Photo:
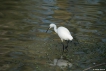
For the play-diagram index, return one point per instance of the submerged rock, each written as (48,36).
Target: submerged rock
(61,63)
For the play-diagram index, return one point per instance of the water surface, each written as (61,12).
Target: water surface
(24,45)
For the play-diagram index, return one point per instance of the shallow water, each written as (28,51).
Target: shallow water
(24,45)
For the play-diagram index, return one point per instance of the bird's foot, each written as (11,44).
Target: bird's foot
(66,47)
(66,50)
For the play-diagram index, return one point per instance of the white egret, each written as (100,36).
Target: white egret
(63,33)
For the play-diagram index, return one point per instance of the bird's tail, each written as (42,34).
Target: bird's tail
(71,38)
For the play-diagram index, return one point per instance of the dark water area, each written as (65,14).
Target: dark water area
(24,45)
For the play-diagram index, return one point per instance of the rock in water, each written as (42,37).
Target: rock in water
(61,63)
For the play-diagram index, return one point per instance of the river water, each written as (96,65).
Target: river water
(24,45)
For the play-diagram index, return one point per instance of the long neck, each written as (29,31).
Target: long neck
(55,28)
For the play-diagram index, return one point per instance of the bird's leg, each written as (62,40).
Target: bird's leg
(63,46)
(67,45)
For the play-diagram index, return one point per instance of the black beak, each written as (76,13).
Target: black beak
(47,30)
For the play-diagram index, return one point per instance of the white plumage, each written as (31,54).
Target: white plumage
(63,33)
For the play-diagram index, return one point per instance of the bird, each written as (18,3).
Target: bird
(63,33)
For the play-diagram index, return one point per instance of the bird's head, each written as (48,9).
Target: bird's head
(50,26)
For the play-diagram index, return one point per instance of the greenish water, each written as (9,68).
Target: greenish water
(24,45)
